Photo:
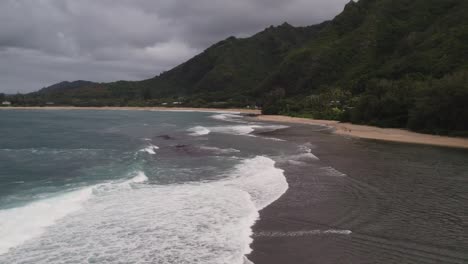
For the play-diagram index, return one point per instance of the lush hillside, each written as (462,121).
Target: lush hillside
(233,68)
(225,74)
(382,59)
(397,63)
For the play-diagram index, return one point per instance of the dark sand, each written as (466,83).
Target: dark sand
(402,203)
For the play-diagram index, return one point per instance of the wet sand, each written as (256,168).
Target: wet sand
(366,201)
(370,132)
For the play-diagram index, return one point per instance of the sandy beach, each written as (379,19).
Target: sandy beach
(370,132)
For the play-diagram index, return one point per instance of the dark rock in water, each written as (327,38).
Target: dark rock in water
(166,137)
(184,149)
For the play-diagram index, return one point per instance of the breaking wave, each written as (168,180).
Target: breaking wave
(234,130)
(199,131)
(18,225)
(126,221)
(235,118)
(151,149)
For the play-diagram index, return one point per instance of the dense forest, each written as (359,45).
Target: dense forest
(390,63)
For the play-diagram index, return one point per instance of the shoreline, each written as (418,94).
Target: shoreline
(127,108)
(343,129)
(374,133)
(350,205)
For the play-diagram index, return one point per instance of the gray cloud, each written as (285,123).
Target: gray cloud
(46,41)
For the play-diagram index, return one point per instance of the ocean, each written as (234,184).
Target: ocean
(97,186)
(92,186)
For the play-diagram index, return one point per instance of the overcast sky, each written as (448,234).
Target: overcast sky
(46,41)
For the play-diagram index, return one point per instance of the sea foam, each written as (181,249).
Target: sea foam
(240,130)
(220,150)
(151,149)
(207,222)
(18,225)
(199,131)
(306,153)
(304,233)
(261,179)
(235,118)
(139,178)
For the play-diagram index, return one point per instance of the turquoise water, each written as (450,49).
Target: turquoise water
(133,186)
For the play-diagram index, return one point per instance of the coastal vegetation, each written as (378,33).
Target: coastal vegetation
(388,63)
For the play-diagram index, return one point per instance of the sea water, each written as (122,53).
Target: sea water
(89,186)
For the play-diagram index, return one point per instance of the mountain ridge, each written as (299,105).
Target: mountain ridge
(378,62)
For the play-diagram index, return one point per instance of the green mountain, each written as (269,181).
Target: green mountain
(393,63)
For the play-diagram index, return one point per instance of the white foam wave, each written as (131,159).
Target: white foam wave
(236,118)
(220,150)
(140,177)
(299,159)
(263,182)
(151,149)
(307,153)
(338,232)
(199,131)
(246,261)
(233,130)
(207,223)
(296,162)
(274,139)
(261,179)
(304,156)
(302,233)
(18,225)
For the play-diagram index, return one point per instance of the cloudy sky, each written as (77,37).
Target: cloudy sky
(46,41)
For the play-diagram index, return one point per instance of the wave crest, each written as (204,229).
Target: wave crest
(234,130)
(20,224)
(209,222)
(151,149)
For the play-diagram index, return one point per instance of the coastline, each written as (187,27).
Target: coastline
(375,133)
(351,204)
(126,108)
(343,205)
(344,129)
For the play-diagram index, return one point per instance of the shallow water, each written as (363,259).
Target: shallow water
(380,203)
